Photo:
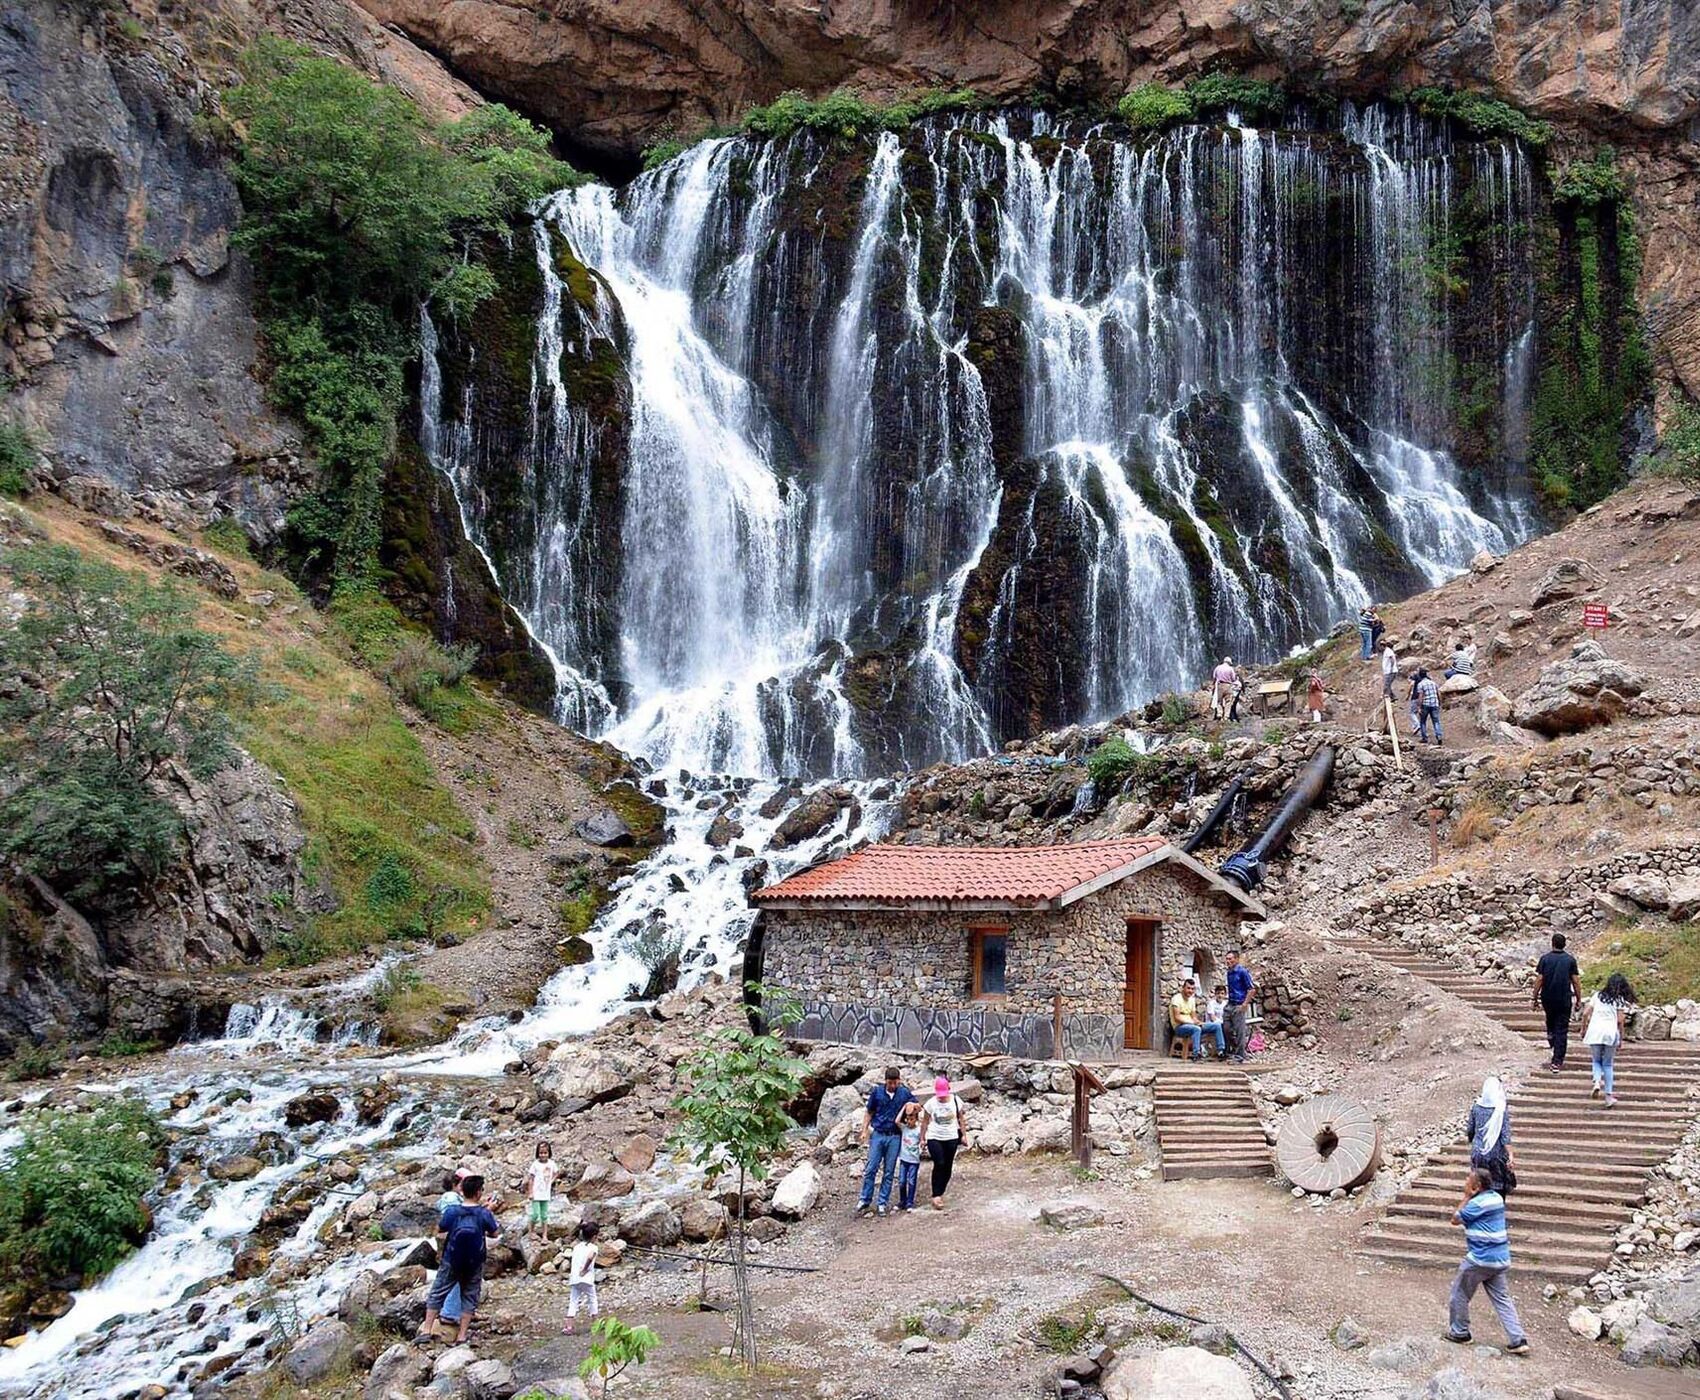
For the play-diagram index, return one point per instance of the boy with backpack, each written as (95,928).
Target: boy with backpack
(464,1227)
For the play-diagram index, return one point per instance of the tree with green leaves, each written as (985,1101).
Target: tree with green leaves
(358,208)
(734,1121)
(613,1347)
(112,682)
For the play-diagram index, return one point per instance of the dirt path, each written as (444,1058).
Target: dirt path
(1281,1273)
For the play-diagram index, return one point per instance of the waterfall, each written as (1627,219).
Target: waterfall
(1006,419)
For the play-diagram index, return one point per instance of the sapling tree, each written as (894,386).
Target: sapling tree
(613,1347)
(734,1120)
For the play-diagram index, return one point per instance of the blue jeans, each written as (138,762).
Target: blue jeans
(1215,1028)
(882,1159)
(908,1178)
(451,1305)
(1367,636)
(1427,715)
(1193,1035)
(1604,1056)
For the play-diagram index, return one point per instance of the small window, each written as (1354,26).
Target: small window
(986,950)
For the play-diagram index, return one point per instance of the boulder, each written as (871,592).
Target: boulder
(1457,687)
(1641,888)
(1179,1373)
(1585,689)
(1349,1334)
(236,1167)
(1568,578)
(702,1220)
(398,1366)
(1652,1343)
(364,1294)
(408,1219)
(453,1362)
(1071,1215)
(797,1192)
(1677,1304)
(654,1224)
(1586,1324)
(577,1071)
(603,827)
(637,1155)
(489,1379)
(311,1108)
(1483,562)
(1684,897)
(327,1346)
(602,1181)
(811,816)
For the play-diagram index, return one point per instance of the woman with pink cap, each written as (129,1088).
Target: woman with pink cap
(946,1123)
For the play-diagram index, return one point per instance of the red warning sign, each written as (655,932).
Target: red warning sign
(1596,615)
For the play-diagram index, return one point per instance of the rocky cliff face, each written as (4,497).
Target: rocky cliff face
(74,971)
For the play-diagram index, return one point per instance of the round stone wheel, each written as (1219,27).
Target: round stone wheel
(1329,1142)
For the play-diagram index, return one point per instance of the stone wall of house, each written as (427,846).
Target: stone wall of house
(902,979)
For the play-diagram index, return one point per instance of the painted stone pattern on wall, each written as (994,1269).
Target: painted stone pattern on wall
(902,978)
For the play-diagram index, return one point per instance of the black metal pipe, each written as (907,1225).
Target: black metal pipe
(1245,868)
(1224,805)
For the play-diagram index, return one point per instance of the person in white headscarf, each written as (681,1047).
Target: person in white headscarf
(1490,1134)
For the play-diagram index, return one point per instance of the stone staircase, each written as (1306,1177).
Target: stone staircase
(1581,1168)
(1207,1123)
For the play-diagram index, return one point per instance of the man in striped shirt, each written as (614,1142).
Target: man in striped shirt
(1487,1260)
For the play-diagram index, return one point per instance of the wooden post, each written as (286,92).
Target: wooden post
(1086,1083)
(1056,1027)
(1393,733)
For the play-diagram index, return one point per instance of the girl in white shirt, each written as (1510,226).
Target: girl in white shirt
(540,1182)
(946,1124)
(1608,1008)
(581,1277)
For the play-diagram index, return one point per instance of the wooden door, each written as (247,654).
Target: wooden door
(1137,993)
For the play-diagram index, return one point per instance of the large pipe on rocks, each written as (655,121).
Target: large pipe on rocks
(1224,805)
(1245,868)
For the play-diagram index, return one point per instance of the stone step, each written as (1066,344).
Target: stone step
(1531,1256)
(1585,1230)
(1526,1202)
(1198,1171)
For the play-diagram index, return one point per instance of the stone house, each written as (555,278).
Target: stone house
(1066,951)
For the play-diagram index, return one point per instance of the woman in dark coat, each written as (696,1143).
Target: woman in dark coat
(1490,1134)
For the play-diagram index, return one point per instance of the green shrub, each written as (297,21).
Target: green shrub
(658,153)
(1176,710)
(35,1061)
(1154,106)
(1679,450)
(18,457)
(390,883)
(1480,115)
(125,684)
(118,1046)
(228,537)
(420,667)
(1254,98)
(844,114)
(1590,182)
(357,207)
(71,1191)
(1110,764)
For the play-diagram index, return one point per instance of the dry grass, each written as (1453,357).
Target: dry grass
(1475,823)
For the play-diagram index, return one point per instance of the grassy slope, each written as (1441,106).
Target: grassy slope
(385,835)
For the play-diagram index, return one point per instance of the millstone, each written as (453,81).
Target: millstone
(1329,1142)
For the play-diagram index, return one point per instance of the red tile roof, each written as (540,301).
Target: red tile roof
(900,875)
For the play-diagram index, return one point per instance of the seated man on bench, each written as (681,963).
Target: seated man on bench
(1184,1023)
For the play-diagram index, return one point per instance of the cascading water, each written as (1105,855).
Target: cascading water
(1009,420)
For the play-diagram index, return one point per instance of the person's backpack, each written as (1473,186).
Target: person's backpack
(463,1247)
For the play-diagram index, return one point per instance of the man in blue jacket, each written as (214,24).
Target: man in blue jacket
(1239,1004)
(883,1136)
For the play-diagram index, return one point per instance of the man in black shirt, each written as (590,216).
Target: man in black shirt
(1558,992)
